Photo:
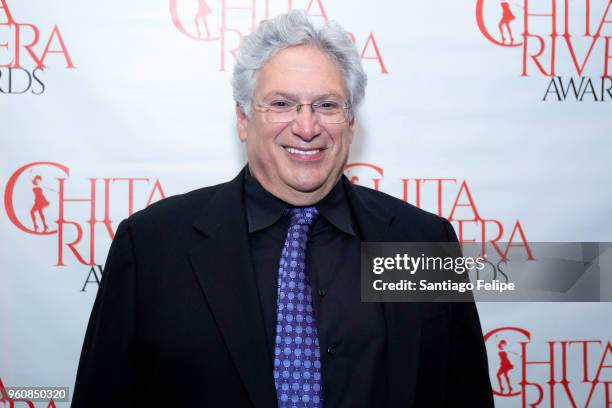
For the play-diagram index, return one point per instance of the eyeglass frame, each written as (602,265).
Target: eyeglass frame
(298,107)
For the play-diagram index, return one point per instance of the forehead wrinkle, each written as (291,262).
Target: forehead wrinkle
(274,78)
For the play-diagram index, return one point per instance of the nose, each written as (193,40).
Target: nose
(306,125)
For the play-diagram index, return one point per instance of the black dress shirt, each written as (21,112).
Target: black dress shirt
(351,333)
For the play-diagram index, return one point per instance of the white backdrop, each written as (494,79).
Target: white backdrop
(130,92)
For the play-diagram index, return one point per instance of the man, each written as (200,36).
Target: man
(247,294)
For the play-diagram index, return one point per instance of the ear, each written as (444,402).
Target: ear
(242,122)
(351,129)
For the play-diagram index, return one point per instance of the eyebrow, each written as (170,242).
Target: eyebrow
(295,97)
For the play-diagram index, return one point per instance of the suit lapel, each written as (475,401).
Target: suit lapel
(221,260)
(402,319)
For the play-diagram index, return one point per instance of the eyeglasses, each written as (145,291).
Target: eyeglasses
(329,111)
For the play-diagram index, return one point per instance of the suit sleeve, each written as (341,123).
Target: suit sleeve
(106,370)
(468,383)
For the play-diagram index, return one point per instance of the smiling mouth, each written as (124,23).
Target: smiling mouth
(308,152)
(304,154)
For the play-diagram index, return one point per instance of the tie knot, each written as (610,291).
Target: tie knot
(302,215)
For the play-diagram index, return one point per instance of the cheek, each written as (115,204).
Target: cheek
(341,134)
(263,141)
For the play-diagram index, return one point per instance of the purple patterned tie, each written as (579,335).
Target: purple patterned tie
(297,362)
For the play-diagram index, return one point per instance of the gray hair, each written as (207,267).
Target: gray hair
(291,29)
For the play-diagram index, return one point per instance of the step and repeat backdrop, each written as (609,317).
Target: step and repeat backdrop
(495,115)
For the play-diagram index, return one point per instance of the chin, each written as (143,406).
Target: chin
(306,183)
(307,186)
(311,180)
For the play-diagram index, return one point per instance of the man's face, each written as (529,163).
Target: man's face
(299,161)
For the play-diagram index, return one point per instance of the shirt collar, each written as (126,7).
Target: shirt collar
(335,208)
(264,209)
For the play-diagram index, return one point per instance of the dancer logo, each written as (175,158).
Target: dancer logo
(74,221)
(572,372)
(558,39)
(226,22)
(22,58)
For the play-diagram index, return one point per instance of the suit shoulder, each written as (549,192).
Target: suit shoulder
(407,217)
(177,208)
(394,205)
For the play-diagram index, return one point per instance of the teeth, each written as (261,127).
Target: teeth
(304,152)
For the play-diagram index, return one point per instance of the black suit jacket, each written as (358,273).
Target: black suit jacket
(177,321)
